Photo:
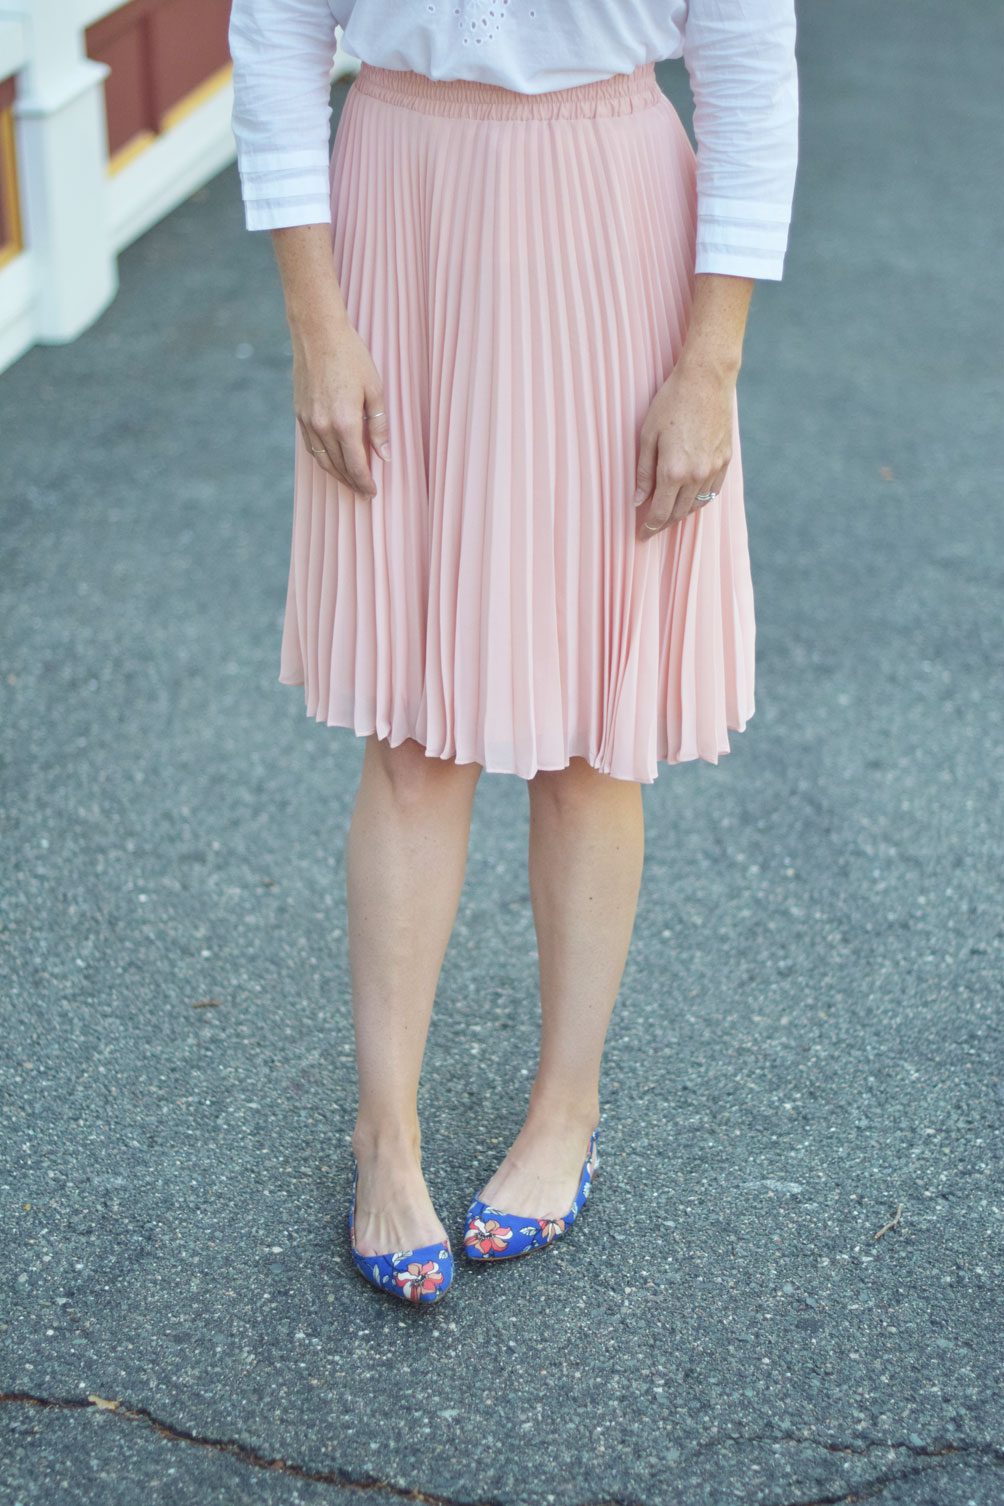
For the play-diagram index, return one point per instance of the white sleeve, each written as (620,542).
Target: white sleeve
(740,55)
(282,53)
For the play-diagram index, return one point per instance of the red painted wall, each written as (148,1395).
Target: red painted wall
(157,50)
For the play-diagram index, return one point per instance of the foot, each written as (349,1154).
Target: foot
(393,1208)
(540,1176)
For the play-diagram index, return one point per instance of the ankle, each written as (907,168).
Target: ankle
(387,1140)
(562,1114)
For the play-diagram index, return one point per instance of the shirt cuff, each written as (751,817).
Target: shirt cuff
(276,214)
(739,238)
(290,188)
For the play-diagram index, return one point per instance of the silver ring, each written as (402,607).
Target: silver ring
(317,452)
(705,496)
(653,526)
(381,414)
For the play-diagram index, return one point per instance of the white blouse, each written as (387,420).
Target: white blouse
(740,55)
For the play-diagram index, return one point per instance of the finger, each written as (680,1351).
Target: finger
(341,437)
(685,502)
(646,469)
(354,460)
(717,481)
(698,494)
(328,454)
(341,470)
(659,513)
(378,426)
(312,440)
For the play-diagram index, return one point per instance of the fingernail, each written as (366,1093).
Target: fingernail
(639,496)
(385,451)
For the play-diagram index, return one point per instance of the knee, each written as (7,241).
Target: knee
(568,791)
(415,780)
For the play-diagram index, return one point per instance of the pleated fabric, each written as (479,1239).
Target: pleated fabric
(520,268)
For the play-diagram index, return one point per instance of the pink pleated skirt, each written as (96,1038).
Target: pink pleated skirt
(520,268)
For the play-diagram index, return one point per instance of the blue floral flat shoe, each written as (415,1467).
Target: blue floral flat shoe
(494,1235)
(416,1276)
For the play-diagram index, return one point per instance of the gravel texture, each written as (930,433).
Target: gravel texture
(810,1034)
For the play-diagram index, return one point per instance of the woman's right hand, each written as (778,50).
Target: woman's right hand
(335,383)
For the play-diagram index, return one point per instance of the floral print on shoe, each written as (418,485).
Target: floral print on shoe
(487,1235)
(550,1228)
(416,1276)
(492,1234)
(419,1279)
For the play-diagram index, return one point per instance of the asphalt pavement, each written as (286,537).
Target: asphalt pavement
(787,1288)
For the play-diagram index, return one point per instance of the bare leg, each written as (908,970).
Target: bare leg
(586,850)
(405,859)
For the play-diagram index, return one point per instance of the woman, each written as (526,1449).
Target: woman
(517,306)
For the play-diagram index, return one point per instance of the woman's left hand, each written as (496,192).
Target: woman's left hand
(686,445)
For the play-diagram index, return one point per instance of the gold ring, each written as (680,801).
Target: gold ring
(653,526)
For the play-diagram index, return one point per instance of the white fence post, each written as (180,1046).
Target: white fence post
(62,150)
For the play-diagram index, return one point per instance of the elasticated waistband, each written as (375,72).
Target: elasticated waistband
(621,94)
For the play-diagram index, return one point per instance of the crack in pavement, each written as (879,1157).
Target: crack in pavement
(983,1452)
(240,1451)
(872,1488)
(987,1453)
